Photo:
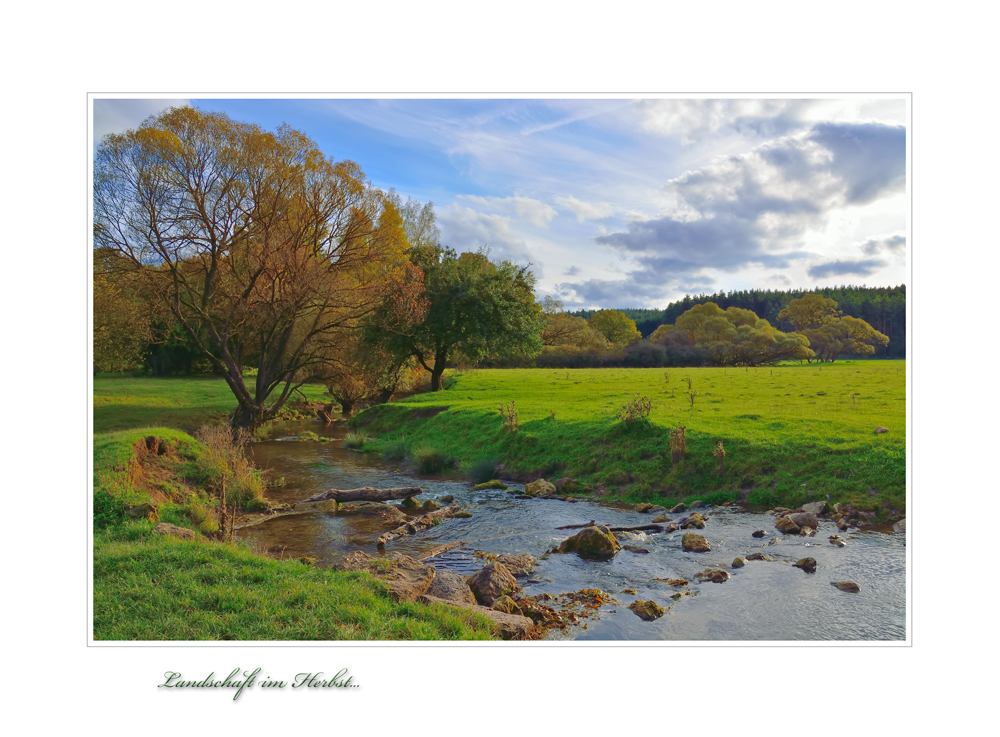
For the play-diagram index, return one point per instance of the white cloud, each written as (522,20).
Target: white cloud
(465,229)
(586,210)
(119,115)
(533,211)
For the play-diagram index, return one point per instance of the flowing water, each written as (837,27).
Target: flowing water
(763,601)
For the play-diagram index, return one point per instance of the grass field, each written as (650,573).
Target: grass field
(182,403)
(791,433)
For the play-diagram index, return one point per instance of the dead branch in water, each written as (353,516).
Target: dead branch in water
(418,524)
(367,494)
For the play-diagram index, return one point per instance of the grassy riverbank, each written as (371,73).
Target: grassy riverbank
(156,587)
(791,433)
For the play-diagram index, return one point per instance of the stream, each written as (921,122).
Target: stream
(763,601)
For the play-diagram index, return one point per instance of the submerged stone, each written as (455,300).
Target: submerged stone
(647,610)
(848,586)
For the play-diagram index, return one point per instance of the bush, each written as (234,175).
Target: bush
(637,408)
(483,470)
(429,460)
(224,458)
(355,440)
(394,451)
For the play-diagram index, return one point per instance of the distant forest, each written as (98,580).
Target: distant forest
(884,308)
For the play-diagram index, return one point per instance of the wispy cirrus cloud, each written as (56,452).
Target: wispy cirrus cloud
(531,210)
(586,210)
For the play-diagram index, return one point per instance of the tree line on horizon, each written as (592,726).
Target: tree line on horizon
(224,248)
(884,308)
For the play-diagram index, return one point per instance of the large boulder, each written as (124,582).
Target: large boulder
(759,533)
(165,528)
(518,565)
(695,520)
(539,488)
(739,562)
(509,626)
(507,605)
(785,524)
(815,507)
(900,526)
(647,610)
(451,586)
(491,582)
(407,578)
(679,508)
(804,519)
(715,575)
(806,564)
(591,542)
(643,508)
(695,543)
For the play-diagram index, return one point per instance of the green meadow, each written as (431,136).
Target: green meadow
(183,403)
(791,433)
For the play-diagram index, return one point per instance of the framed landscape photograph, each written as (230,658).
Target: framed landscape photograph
(502,370)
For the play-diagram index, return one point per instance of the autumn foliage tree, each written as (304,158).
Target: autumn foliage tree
(737,337)
(122,322)
(617,328)
(262,248)
(829,333)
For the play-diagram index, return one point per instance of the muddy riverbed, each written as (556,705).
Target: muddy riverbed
(763,601)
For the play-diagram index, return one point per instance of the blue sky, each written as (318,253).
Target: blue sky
(622,202)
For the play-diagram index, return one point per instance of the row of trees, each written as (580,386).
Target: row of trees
(253,253)
(707,334)
(884,308)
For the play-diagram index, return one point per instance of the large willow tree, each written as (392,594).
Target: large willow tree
(264,250)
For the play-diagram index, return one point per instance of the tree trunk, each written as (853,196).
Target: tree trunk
(436,376)
(247,417)
(346,407)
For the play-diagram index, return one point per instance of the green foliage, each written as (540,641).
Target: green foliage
(474,307)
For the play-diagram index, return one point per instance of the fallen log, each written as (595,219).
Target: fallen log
(640,528)
(577,527)
(637,528)
(434,552)
(367,494)
(418,524)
